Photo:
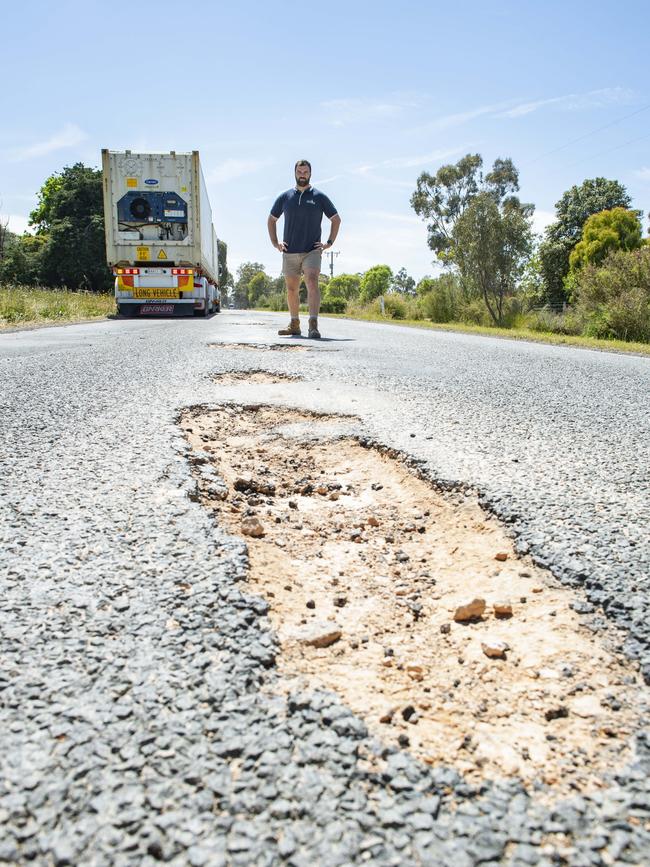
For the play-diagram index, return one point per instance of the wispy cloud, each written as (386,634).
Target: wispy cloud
(529,107)
(69,136)
(391,217)
(369,171)
(340,112)
(463,117)
(514,108)
(421,159)
(643,173)
(233,168)
(319,182)
(573,101)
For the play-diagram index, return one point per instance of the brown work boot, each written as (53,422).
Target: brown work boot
(292,329)
(313,328)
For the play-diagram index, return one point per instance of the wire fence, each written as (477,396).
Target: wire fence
(559,307)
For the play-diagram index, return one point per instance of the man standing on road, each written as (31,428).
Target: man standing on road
(303,208)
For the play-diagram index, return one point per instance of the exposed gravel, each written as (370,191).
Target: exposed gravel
(132,723)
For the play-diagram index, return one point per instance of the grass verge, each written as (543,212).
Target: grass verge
(24,305)
(508,333)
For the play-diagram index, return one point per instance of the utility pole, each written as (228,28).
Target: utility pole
(332,254)
(4,222)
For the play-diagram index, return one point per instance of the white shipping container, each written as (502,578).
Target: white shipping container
(157,212)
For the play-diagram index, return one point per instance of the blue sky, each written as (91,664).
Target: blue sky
(372,93)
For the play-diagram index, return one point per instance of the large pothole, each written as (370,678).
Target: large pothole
(274,347)
(254,377)
(361,556)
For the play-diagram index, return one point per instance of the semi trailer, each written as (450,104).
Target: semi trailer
(160,240)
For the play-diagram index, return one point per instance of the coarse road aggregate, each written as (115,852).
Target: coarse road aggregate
(138,719)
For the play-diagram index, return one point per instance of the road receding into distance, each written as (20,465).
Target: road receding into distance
(380,598)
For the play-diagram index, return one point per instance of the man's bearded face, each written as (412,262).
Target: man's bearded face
(303,175)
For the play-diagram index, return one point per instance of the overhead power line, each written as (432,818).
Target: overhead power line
(609,150)
(588,134)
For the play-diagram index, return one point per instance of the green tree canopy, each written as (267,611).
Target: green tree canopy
(430,284)
(572,210)
(226,282)
(260,287)
(425,285)
(5,235)
(403,283)
(605,232)
(531,284)
(21,262)
(245,273)
(344,286)
(478,225)
(579,203)
(70,214)
(247,270)
(492,243)
(375,282)
(441,199)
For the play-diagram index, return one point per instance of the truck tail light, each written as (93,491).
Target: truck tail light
(119,271)
(182,271)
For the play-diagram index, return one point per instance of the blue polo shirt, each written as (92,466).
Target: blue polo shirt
(303,212)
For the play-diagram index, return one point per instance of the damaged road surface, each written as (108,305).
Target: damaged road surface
(379,601)
(412,606)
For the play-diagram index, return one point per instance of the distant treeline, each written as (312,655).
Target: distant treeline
(589,272)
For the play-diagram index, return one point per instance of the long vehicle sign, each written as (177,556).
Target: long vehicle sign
(155,293)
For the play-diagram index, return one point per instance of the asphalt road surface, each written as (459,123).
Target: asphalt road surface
(127,742)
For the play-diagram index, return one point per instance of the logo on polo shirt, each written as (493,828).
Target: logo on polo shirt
(310,201)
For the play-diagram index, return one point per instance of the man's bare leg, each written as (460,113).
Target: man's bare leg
(313,292)
(293,296)
(293,300)
(313,300)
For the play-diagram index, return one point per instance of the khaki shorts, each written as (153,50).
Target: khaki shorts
(293,264)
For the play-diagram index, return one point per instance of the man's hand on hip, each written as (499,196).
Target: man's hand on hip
(281,246)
